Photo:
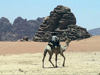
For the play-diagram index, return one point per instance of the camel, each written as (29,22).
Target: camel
(56,51)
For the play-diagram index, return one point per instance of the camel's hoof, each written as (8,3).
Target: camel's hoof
(55,66)
(42,66)
(63,65)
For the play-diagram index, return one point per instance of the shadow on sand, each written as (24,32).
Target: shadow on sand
(52,67)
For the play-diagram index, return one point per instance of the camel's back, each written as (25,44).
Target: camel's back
(55,50)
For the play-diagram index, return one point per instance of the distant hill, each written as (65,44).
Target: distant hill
(95,31)
(20,27)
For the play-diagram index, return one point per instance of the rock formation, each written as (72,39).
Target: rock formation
(5,28)
(63,22)
(25,38)
(20,28)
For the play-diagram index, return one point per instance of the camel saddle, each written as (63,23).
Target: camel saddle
(53,44)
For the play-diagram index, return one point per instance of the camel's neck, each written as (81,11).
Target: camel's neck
(66,45)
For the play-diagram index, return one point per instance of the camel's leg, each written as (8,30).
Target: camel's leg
(50,59)
(44,58)
(64,59)
(56,60)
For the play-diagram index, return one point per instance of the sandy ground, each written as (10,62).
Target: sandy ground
(25,58)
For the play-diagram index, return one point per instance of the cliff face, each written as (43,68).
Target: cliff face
(63,22)
(5,28)
(19,29)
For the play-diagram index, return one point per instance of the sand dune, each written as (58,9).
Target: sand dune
(82,58)
(90,44)
(21,47)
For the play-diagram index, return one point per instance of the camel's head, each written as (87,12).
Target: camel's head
(68,41)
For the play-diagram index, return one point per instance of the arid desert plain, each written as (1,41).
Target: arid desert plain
(25,58)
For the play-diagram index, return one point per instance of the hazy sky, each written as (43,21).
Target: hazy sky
(87,12)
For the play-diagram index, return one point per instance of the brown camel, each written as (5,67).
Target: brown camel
(56,51)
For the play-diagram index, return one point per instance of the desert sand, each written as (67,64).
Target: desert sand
(25,58)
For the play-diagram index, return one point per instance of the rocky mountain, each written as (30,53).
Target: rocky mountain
(20,27)
(95,31)
(63,22)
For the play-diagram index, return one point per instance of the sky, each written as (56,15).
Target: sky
(87,12)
